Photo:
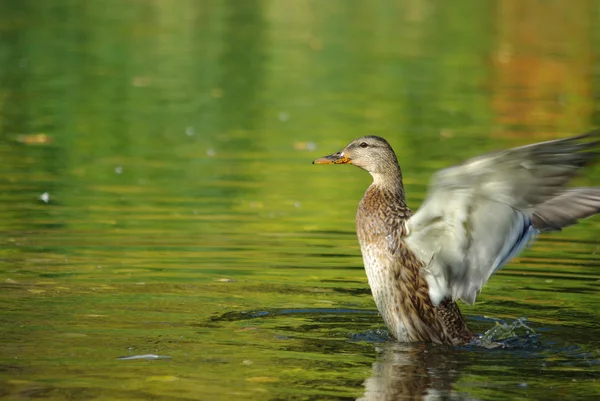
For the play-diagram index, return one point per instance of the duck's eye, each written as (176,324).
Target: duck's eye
(364,145)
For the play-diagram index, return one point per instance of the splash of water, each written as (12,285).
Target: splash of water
(506,334)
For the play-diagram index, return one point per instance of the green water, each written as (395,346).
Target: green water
(171,142)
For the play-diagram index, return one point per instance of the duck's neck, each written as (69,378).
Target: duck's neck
(390,183)
(382,209)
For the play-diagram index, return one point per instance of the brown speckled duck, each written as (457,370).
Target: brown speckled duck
(476,217)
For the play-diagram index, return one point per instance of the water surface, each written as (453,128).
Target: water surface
(157,195)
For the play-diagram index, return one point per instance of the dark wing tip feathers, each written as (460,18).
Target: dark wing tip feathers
(593,133)
(576,151)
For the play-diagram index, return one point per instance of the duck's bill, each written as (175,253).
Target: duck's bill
(335,158)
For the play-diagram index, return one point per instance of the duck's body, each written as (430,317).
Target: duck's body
(393,271)
(478,216)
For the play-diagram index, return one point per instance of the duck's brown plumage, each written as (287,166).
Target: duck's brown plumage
(406,306)
(477,216)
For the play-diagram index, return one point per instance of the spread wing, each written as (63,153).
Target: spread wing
(481,213)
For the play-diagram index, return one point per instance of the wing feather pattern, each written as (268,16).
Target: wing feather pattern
(480,214)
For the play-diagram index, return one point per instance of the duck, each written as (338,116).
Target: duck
(476,217)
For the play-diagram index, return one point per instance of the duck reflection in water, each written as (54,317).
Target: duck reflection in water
(413,371)
(476,217)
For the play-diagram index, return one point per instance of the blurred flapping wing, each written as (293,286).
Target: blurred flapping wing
(481,213)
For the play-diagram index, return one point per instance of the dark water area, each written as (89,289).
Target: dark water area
(164,235)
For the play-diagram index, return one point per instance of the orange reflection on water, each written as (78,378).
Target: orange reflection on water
(543,66)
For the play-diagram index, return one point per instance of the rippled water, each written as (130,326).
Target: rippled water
(164,234)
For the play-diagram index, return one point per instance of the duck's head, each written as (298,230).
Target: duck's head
(371,153)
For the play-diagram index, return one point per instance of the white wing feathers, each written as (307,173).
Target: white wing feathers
(481,213)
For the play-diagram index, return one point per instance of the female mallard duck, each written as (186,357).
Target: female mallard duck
(476,217)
